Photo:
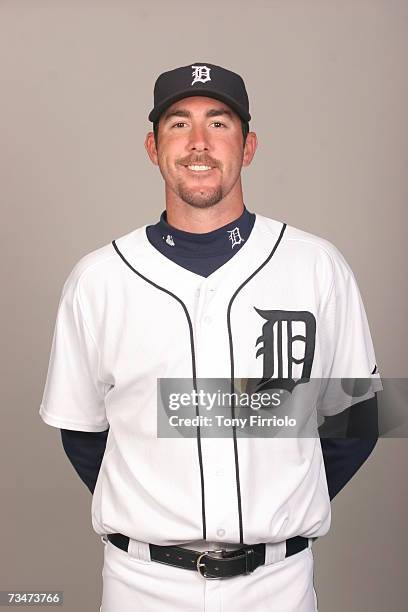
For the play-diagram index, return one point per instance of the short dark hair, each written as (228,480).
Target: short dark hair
(244,126)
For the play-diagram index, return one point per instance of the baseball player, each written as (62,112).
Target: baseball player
(210,291)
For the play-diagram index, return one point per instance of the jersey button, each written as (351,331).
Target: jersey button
(219,472)
(207,319)
(220,532)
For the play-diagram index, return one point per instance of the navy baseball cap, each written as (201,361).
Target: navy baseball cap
(200,79)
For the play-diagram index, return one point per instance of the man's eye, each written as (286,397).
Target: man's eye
(219,122)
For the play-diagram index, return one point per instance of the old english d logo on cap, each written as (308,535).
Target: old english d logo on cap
(201,74)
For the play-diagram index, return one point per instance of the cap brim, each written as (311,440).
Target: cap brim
(189,93)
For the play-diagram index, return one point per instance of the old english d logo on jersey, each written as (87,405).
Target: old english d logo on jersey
(201,74)
(280,374)
(235,237)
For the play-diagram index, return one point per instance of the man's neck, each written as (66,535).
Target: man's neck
(202,220)
(198,220)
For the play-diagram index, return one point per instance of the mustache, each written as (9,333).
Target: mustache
(199,162)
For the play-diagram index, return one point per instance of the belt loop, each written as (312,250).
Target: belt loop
(104,539)
(249,560)
(274,552)
(139,550)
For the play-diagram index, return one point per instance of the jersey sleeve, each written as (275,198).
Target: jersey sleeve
(349,365)
(73,396)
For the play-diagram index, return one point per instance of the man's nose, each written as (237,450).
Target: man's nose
(198,138)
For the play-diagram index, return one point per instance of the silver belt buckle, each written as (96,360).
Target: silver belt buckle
(213,554)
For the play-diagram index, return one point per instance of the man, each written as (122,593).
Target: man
(211,291)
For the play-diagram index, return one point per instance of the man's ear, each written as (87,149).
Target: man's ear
(150,147)
(251,144)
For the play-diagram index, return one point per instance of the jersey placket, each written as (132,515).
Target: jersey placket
(211,340)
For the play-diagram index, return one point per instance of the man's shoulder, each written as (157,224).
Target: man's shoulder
(101,263)
(299,242)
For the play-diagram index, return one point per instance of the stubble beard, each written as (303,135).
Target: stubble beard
(200,198)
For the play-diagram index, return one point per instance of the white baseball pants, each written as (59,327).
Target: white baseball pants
(134,583)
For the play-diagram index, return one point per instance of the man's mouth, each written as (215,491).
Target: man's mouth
(199,168)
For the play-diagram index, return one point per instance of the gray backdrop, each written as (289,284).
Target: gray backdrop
(327,82)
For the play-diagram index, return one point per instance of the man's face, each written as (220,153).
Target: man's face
(199,131)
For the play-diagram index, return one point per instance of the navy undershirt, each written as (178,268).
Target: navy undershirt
(202,253)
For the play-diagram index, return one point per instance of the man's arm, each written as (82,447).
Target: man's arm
(85,450)
(344,456)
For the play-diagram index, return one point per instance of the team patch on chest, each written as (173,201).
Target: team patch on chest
(286,346)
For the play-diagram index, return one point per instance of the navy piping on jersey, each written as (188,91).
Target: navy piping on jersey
(241,530)
(193,363)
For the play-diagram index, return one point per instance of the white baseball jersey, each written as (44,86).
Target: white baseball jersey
(128,316)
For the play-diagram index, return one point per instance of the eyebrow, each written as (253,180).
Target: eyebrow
(212,112)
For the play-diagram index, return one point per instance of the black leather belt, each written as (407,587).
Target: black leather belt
(218,563)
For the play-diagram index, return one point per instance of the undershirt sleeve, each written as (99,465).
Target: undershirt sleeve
(344,456)
(85,451)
